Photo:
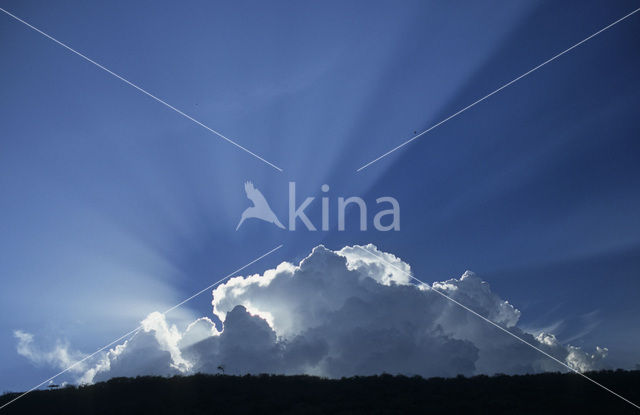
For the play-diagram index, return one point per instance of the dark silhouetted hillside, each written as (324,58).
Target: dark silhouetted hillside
(385,394)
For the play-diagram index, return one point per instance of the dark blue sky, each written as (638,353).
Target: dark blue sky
(113,206)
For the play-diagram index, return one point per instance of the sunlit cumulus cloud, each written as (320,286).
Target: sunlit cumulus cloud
(342,313)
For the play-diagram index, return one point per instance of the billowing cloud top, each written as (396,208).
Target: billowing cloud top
(341,313)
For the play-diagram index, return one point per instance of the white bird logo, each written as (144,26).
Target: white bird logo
(260,208)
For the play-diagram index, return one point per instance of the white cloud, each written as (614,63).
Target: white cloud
(59,356)
(390,271)
(342,313)
(581,361)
